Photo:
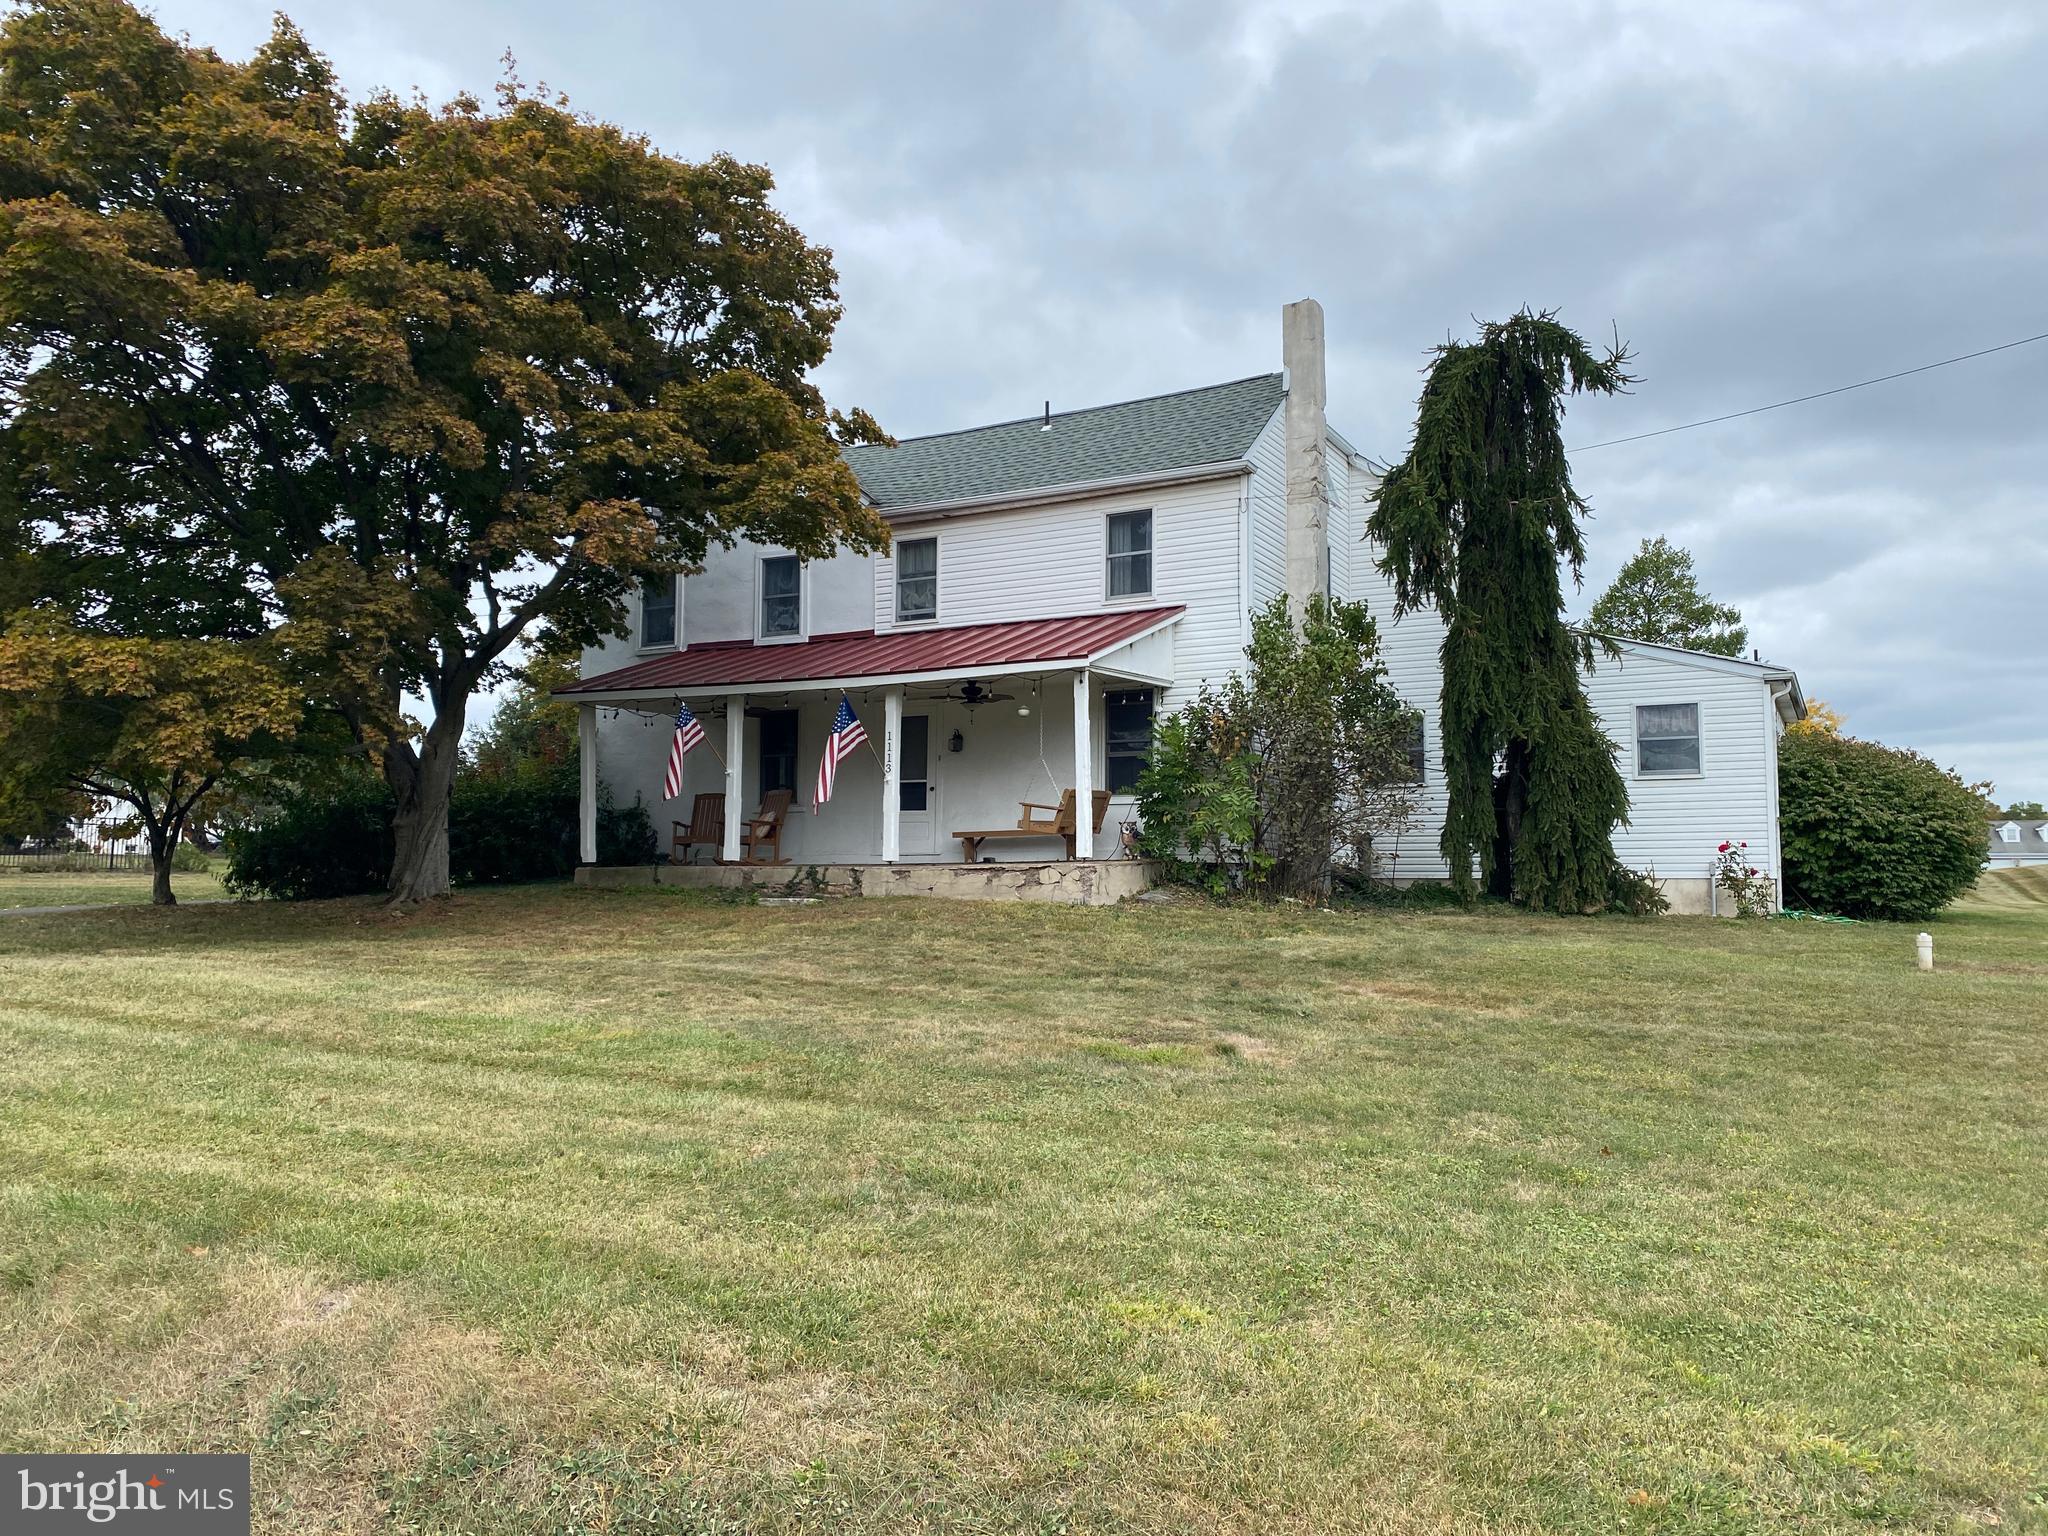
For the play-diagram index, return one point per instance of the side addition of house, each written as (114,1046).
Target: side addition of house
(1055,583)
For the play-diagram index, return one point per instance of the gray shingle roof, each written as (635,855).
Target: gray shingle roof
(1105,442)
(2033,835)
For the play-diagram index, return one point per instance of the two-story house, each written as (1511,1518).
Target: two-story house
(1054,585)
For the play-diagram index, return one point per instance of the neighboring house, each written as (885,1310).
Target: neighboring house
(1067,578)
(2017,840)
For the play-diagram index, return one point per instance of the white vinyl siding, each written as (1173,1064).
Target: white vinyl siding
(1048,562)
(1268,458)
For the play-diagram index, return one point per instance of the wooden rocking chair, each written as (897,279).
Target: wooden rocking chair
(764,829)
(707,826)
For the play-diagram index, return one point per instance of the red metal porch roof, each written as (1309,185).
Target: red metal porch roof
(864,653)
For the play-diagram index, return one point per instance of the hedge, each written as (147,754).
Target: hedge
(335,840)
(1873,831)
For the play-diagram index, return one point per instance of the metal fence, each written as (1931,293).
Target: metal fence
(60,861)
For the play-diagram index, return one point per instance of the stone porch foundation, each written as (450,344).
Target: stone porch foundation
(1078,882)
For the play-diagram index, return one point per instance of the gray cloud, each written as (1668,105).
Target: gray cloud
(1085,201)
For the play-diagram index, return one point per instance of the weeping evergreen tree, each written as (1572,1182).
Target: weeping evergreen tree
(1475,521)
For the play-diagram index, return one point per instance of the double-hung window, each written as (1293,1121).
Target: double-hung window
(1667,739)
(917,579)
(658,607)
(1418,752)
(1129,554)
(1127,738)
(782,596)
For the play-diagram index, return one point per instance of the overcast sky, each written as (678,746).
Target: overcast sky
(1093,201)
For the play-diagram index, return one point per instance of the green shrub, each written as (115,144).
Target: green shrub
(189,860)
(334,839)
(1873,831)
(1290,770)
(315,842)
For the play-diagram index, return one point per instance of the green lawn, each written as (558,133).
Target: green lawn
(561,1210)
(98,889)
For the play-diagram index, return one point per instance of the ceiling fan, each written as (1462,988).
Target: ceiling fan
(970,694)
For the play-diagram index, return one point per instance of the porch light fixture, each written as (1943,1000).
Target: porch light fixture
(957,743)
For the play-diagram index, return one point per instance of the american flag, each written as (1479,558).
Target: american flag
(847,733)
(689,733)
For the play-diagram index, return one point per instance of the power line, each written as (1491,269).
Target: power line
(1819,395)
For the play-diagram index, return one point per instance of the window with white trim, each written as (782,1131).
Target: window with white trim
(1667,739)
(2011,834)
(1418,752)
(917,579)
(1127,738)
(660,612)
(782,596)
(1129,556)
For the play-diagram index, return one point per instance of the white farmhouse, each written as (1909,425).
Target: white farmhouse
(1055,584)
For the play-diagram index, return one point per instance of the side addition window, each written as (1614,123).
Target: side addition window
(1418,754)
(1127,735)
(917,579)
(782,596)
(1667,739)
(658,613)
(1130,554)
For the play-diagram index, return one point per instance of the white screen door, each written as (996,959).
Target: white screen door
(917,794)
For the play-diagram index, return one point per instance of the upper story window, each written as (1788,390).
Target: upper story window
(782,596)
(658,612)
(1127,737)
(917,579)
(1667,739)
(2011,834)
(1130,554)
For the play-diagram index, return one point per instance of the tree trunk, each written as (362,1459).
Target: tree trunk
(1510,800)
(163,845)
(421,781)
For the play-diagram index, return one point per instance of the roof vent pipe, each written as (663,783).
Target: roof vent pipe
(1047,427)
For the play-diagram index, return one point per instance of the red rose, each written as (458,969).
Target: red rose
(1722,849)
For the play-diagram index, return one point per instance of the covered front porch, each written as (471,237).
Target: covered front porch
(964,726)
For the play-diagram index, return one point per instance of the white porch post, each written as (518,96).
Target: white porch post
(1084,771)
(892,774)
(735,746)
(586,784)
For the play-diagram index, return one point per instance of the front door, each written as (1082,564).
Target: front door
(918,793)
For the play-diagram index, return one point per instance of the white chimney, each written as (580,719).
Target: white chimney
(1308,525)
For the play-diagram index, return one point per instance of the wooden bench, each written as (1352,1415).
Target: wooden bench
(1060,824)
(707,826)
